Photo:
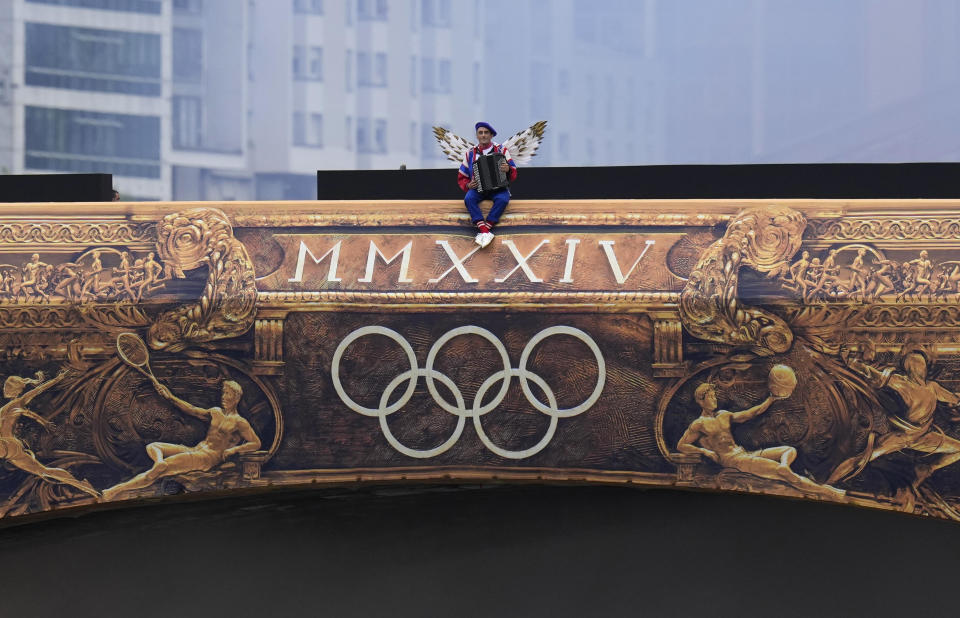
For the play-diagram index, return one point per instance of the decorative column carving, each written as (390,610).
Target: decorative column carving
(268,342)
(667,344)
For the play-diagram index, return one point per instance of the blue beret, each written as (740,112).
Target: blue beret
(487,125)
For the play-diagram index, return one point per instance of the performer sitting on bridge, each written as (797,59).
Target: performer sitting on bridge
(467,182)
(519,148)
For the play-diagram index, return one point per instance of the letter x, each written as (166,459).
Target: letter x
(522,262)
(457,263)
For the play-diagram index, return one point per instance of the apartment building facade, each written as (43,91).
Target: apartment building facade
(220,100)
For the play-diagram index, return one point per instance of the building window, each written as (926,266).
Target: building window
(476,82)
(585,21)
(436,13)
(194,7)
(304,68)
(4,85)
(91,59)
(299,129)
(426,75)
(363,135)
(152,7)
(591,91)
(313,7)
(316,130)
(296,66)
(372,75)
(428,143)
(380,135)
(372,10)
(316,63)
(609,96)
(363,68)
(348,71)
(443,76)
(187,55)
(563,81)
(540,89)
(308,130)
(82,141)
(563,145)
(380,69)
(413,76)
(187,122)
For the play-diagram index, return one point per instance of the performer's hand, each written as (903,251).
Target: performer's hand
(503,166)
(164,391)
(711,455)
(473,184)
(47,425)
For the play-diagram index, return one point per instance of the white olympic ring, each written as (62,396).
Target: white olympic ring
(459,408)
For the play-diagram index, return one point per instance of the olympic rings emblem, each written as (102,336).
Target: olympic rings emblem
(459,408)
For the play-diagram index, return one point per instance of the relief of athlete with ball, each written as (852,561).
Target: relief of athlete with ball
(710,436)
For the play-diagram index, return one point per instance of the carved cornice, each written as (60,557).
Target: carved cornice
(881,228)
(77,232)
(109,316)
(449,217)
(907,316)
(33,317)
(638,299)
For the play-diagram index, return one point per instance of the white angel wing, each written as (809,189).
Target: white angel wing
(452,145)
(523,146)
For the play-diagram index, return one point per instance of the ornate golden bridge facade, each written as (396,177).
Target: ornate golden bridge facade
(799,348)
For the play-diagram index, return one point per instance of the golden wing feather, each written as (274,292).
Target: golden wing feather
(452,145)
(523,145)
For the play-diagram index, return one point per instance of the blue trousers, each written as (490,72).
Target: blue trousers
(500,200)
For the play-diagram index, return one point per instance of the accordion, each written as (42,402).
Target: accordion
(486,169)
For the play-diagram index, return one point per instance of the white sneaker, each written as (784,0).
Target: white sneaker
(479,239)
(485,239)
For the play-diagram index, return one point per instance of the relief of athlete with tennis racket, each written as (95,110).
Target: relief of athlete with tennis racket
(229,433)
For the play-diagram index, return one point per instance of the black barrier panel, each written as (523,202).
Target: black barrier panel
(56,188)
(814,181)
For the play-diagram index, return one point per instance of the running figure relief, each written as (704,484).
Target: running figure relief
(88,279)
(870,277)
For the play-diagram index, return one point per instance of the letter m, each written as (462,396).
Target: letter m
(333,254)
(372,259)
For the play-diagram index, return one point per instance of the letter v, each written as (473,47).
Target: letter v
(615,266)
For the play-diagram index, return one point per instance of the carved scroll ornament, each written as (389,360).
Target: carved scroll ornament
(762,238)
(189,240)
